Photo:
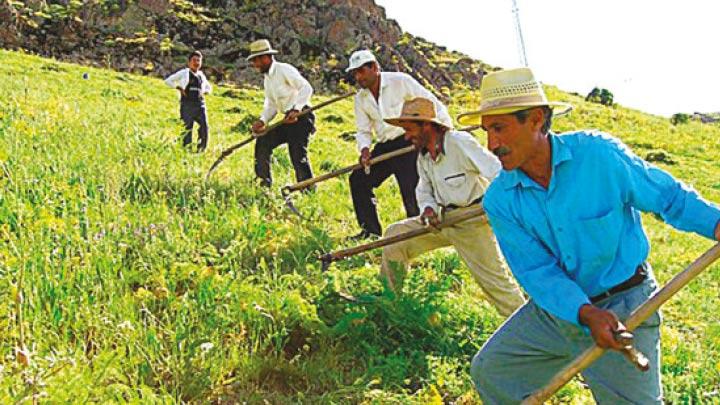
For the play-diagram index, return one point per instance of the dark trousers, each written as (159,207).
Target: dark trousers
(403,167)
(192,112)
(297,136)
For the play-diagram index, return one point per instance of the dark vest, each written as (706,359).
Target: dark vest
(193,90)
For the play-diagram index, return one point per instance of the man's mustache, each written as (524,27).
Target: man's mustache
(501,151)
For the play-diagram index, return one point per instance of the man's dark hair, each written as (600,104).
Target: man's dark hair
(439,128)
(368,65)
(195,53)
(523,114)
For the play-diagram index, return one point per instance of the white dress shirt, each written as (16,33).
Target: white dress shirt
(285,89)
(460,175)
(182,77)
(395,88)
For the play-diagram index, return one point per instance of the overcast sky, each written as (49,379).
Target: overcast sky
(658,56)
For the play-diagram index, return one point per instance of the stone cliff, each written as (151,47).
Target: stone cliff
(154,37)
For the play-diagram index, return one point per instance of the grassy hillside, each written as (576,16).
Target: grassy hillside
(143,283)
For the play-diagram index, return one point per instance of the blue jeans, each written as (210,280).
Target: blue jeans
(533,345)
(192,112)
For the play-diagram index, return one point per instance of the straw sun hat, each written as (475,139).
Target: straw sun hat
(508,91)
(260,47)
(416,109)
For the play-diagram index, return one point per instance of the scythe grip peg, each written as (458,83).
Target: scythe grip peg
(634,356)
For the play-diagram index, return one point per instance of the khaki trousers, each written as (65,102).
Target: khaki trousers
(475,243)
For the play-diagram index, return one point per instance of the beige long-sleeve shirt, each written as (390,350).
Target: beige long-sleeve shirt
(459,176)
(285,89)
(395,88)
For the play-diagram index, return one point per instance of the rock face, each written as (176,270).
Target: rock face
(154,37)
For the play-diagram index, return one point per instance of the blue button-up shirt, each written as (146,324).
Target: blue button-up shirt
(583,234)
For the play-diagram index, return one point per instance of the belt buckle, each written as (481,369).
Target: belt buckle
(602,296)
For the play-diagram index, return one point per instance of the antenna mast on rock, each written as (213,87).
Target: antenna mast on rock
(518,30)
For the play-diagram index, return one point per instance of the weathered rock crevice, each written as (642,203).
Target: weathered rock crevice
(154,36)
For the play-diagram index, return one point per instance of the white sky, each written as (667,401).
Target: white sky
(658,56)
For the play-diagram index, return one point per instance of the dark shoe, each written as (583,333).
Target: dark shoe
(363,235)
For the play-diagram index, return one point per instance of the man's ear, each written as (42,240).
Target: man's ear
(537,118)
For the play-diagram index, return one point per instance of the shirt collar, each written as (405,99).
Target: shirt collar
(384,82)
(271,71)
(560,153)
(439,145)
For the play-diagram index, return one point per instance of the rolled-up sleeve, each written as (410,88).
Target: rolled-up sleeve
(535,267)
(651,189)
(269,111)
(424,190)
(174,79)
(363,124)
(206,86)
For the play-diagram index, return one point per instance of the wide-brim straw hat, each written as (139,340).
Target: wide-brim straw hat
(260,47)
(416,109)
(509,91)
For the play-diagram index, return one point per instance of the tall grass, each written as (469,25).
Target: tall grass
(130,279)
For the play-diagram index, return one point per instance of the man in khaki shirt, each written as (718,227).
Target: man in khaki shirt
(455,170)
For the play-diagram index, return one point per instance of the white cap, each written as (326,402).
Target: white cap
(359,58)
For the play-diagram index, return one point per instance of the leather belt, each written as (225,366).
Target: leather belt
(451,207)
(636,279)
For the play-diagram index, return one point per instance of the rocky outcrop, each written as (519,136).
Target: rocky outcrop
(154,37)
(706,118)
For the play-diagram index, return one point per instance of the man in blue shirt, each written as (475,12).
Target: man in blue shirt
(566,213)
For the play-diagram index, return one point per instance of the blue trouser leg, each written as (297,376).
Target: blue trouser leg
(203,129)
(533,345)
(612,378)
(192,112)
(188,118)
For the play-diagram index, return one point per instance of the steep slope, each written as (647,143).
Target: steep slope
(142,283)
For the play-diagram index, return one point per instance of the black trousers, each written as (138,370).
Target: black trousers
(192,112)
(297,136)
(403,167)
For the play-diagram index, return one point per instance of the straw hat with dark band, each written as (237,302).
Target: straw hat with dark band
(416,109)
(260,47)
(508,91)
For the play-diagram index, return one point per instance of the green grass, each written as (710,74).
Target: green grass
(143,283)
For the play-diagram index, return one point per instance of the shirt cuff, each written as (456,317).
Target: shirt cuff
(434,206)
(363,145)
(709,215)
(571,311)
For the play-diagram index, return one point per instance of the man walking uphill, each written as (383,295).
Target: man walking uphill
(382,96)
(286,92)
(566,213)
(192,85)
(454,172)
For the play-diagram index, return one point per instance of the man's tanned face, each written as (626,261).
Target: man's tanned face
(419,133)
(512,141)
(195,63)
(262,63)
(366,75)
